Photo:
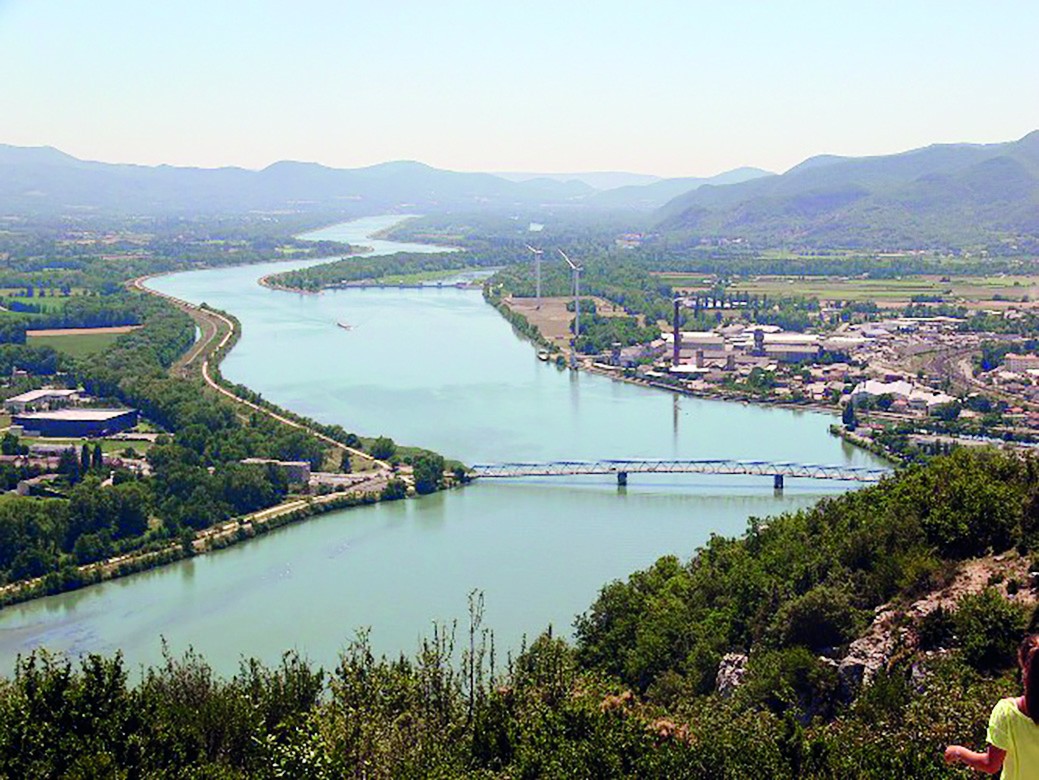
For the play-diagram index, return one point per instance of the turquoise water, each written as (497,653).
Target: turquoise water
(439,368)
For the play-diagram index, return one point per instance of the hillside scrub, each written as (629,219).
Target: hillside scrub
(810,578)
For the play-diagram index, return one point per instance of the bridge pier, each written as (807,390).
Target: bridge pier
(777,482)
(622,478)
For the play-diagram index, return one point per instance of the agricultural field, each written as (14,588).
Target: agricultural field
(972,291)
(77,342)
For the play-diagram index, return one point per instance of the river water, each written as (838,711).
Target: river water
(437,368)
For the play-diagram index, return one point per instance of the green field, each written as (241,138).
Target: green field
(956,289)
(76,345)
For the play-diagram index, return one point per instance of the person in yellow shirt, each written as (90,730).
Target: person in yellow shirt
(1013,727)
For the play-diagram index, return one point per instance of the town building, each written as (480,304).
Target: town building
(44,398)
(294,470)
(1020,364)
(75,423)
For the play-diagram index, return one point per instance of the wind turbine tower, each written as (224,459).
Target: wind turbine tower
(577,304)
(537,274)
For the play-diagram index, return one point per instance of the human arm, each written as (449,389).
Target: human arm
(989,762)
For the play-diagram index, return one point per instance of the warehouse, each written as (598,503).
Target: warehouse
(44,398)
(73,423)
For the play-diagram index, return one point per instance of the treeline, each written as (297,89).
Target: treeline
(362,268)
(636,696)
(77,312)
(98,254)
(599,333)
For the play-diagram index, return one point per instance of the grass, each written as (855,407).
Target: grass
(79,345)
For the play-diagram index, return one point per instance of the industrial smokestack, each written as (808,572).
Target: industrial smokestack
(678,337)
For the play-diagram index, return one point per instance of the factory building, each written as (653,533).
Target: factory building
(75,423)
(44,398)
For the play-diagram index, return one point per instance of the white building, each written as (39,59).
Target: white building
(1019,364)
(44,398)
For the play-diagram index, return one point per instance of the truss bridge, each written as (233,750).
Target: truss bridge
(623,468)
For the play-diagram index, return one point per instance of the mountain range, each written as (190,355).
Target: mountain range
(941,195)
(949,195)
(43,180)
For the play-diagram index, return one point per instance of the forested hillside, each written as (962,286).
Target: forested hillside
(945,196)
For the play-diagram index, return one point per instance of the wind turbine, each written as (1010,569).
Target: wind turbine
(537,273)
(577,303)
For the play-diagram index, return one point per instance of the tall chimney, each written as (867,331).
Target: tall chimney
(678,337)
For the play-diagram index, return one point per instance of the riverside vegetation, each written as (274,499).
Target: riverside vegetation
(635,694)
(197,479)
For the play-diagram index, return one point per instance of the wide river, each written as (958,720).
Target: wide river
(438,368)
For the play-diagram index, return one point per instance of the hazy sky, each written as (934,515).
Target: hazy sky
(671,88)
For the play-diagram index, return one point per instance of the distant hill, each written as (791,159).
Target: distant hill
(46,181)
(597,180)
(43,180)
(655,194)
(938,196)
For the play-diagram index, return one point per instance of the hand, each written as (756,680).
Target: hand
(952,754)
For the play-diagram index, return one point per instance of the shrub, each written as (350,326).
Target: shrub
(822,617)
(989,628)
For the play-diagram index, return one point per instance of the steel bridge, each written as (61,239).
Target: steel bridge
(622,468)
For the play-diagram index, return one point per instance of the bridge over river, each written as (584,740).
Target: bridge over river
(622,468)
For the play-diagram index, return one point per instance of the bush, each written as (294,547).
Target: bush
(989,628)
(936,629)
(394,491)
(822,617)
(383,448)
(793,677)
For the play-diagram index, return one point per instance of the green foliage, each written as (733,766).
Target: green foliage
(793,677)
(823,617)
(599,333)
(810,577)
(429,472)
(395,490)
(989,629)
(382,448)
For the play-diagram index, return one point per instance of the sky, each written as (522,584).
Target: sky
(668,88)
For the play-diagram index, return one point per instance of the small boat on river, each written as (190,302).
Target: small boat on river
(542,354)
(345,326)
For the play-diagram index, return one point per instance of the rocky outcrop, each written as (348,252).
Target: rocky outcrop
(730,674)
(869,654)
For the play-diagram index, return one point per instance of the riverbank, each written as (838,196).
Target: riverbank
(218,334)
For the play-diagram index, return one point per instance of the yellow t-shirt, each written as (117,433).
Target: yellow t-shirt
(1011,730)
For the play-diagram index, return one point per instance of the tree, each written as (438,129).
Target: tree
(84,459)
(383,448)
(395,489)
(68,465)
(429,472)
(848,417)
(344,463)
(97,458)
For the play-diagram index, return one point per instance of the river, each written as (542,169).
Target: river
(438,368)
